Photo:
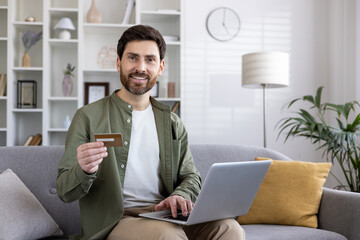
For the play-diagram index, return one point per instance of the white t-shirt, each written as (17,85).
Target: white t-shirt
(142,184)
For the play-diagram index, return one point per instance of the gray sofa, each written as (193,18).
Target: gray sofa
(339,214)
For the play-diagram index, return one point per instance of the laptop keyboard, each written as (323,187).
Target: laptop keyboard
(179,217)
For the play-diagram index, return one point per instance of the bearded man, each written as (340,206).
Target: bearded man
(153,169)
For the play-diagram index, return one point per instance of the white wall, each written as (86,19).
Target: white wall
(218,110)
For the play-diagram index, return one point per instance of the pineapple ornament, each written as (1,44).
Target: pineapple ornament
(67,84)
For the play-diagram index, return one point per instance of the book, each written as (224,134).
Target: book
(2,84)
(175,107)
(28,140)
(36,141)
(128,11)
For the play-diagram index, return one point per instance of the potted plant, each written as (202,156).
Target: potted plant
(29,39)
(67,84)
(339,141)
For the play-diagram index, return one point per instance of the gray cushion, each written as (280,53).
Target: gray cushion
(21,214)
(276,232)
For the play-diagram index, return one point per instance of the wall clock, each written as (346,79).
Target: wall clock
(223,24)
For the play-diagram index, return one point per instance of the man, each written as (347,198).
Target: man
(153,170)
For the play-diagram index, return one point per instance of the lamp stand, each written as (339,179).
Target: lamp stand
(264,113)
(65,34)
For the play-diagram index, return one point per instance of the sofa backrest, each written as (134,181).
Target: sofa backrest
(206,155)
(37,168)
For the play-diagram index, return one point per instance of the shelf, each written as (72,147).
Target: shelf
(27,110)
(3,129)
(107,25)
(168,99)
(70,10)
(61,42)
(23,23)
(162,12)
(58,130)
(33,69)
(173,43)
(100,70)
(3,38)
(3,7)
(3,98)
(61,12)
(59,99)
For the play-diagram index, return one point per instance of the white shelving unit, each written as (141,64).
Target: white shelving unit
(3,67)
(50,56)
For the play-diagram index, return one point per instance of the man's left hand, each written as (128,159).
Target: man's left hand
(174,203)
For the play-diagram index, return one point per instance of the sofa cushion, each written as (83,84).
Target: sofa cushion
(290,194)
(21,214)
(276,232)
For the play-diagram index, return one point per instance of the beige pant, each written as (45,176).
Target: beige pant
(132,227)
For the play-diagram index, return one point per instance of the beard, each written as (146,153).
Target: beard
(134,87)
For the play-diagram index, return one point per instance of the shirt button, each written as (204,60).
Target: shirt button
(122,166)
(129,106)
(128,120)
(125,143)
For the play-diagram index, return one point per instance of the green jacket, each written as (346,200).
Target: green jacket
(100,194)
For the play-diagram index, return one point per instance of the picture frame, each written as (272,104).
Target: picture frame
(95,91)
(26,94)
(154,92)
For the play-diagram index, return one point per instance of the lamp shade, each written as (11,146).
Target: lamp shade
(270,69)
(65,23)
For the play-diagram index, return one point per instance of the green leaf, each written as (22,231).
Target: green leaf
(341,126)
(318,97)
(293,101)
(356,124)
(309,98)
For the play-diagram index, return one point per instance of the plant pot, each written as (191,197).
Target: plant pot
(93,15)
(26,60)
(67,85)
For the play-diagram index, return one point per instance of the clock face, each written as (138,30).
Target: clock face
(223,24)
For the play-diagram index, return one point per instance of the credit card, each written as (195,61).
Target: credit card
(109,139)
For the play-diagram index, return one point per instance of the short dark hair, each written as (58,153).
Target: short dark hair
(141,33)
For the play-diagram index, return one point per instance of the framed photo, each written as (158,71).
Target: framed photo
(26,93)
(154,92)
(95,91)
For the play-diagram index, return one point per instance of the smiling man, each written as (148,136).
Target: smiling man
(152,170)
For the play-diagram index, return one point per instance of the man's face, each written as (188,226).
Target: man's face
(140,66)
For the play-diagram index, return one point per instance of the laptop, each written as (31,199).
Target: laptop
(228,191)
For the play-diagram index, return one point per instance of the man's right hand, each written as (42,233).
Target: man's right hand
(90,155)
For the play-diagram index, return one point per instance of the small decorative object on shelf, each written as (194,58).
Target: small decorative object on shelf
(67,122)
(67,84)
(107,57)
(171,89)
(95,91)
(128,11)
(65,24)
(30,19)
(29,39)
(93,15)
(26,93)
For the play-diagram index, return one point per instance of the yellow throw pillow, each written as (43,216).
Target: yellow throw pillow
(289,195)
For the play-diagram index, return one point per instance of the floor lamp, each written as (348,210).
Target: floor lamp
(265,70)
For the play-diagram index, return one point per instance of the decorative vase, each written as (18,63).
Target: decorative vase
(26,60)
(67,85)
(67,122)
(93,15)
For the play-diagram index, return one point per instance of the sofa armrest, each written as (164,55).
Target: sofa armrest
(340,212)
